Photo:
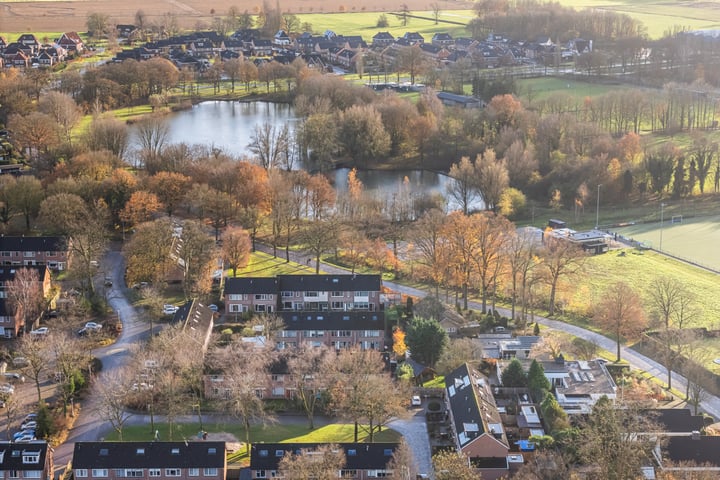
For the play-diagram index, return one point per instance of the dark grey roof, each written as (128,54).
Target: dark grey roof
(333,320)
(251,285)
(149,455)
(701,450)
(473,406)
(358,456)
(676,420)
(12,455)
(33,244)
(197,320)
(328,283)
(8,273)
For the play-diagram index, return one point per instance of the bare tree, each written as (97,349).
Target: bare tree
(153,133)
(463,189)
(112,391)
(520,253)
(12,408)
(559,258)
(451,465)
(620,312)
(24,292)
(672,304)
(245,370)
(322,463)
(70,360)
(38,356)
(402,464)
(319,237)
(310,367)
(236,248)
(270,144)
(196,256)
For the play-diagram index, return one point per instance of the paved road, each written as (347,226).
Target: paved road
(89,427)
(711,404)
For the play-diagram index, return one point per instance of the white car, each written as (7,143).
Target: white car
(7,388)
(31,425)
(39,332)
(93,326)
(169,309)
(19,434)
(28,437)
(416,401)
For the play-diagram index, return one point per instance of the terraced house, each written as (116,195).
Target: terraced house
(336,310)
(160,460)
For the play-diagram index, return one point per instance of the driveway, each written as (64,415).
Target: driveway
(414,429)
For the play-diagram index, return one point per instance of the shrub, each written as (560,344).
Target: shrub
(382,21)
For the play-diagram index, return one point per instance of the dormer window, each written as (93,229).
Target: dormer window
(31,457)
(175,451)
(140,451)
(104,452)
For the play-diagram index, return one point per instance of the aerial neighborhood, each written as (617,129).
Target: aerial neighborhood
(462,241)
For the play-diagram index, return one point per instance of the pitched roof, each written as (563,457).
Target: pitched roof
(8,273)
(11,455)
(33,244)
(358,456)
(251,285)
(333,320)
(149,454)
(328,283)
(473,406)
(197,321)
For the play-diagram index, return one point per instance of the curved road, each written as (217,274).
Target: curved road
(89,427)
(710,405)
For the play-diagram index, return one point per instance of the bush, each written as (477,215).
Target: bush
(382,21)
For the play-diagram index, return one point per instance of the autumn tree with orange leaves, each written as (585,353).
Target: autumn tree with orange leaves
(399,347)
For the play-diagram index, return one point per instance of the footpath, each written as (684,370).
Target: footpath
(710,405)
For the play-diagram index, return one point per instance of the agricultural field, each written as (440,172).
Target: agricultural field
(695,239)
(65,15)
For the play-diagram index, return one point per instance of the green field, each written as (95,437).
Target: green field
(695,239)
(541,88)
(265,265)
(364,24)
(639,269)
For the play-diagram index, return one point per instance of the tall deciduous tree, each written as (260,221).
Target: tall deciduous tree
(140,207)
(244,370)
(196,256)
(402,464)
(608,441)
(24,293)
(270,144)
(170,188)
(430,245)
(621,313)
(147,254)
(309,368)
(62,108)
(426,340)
(363,134)
(27,193)
(464,188)
(236,248)
(322,463)
(673,309)
(112,393)
(560,258)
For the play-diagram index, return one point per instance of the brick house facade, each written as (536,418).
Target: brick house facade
(51,251)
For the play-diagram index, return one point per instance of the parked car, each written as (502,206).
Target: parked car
(40,332)
(213,307)
(169,309)
(30,417)
(27,431)
(108,282)
(416,401)
(7,388)
(31,425)
(20,362)
(14,377)
(29,437)
(93,326)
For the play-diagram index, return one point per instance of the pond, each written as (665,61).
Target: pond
(229,126)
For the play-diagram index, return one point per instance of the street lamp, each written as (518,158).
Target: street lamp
(597,208)
(662,211)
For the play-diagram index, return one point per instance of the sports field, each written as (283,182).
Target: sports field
(695,239)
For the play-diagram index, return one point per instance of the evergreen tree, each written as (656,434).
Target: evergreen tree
(513,375)
(538,383)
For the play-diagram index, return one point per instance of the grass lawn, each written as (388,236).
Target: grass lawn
(640,269)
(364,24)
(541,88)
(281,433)
(264,265)
(695,239)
